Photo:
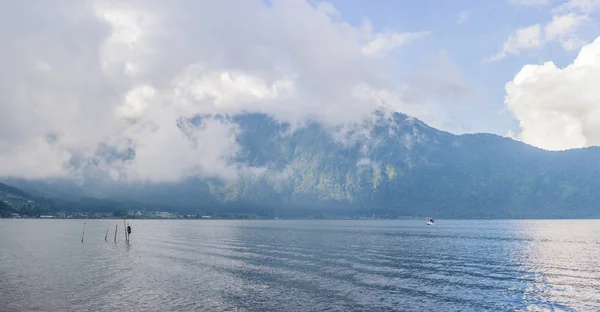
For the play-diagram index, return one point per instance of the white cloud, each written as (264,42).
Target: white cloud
(558,108)
(34,154)
(581,6)
(136,101)
(525,38)
(566,21)
(562,25)
(463,16)
(529,2)
(231,92)
(562,29)
(206,151)
(86,83)
(384,43)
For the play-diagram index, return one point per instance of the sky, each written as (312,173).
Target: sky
(488,42)
(85,83)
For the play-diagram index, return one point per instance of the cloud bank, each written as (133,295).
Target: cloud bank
(558,108)
(111,85)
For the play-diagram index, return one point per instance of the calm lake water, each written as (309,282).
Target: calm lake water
(300,266)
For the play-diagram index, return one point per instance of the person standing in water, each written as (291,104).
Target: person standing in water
(128,230)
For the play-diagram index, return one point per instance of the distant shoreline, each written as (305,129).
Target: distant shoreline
(298,219)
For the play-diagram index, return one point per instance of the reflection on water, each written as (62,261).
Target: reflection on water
(300,265)
(562,264)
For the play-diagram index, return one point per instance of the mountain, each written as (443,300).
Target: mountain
(390,165)
(15,200)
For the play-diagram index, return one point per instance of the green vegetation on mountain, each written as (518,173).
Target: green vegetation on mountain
(16,201)
(394,165)
(5,209)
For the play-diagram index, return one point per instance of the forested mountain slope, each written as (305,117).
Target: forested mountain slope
(394,165)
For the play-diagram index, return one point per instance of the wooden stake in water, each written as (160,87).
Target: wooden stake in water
(125,227)
(106,235)
(83,232)
(116,225)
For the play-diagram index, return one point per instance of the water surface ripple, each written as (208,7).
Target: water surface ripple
(211,265)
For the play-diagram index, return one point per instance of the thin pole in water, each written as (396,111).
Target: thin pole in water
(125,227)
(83,231)
(116,225)
(106,235)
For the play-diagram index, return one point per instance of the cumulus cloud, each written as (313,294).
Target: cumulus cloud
(566,20)
(557,108)
(113,85)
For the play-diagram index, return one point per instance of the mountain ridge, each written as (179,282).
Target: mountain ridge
(392,165)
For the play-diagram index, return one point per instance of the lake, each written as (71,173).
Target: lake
(281,265)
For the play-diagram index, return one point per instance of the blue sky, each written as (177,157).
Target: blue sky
(482,33)
(83,77)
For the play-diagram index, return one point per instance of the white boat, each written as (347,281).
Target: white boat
(430,222)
